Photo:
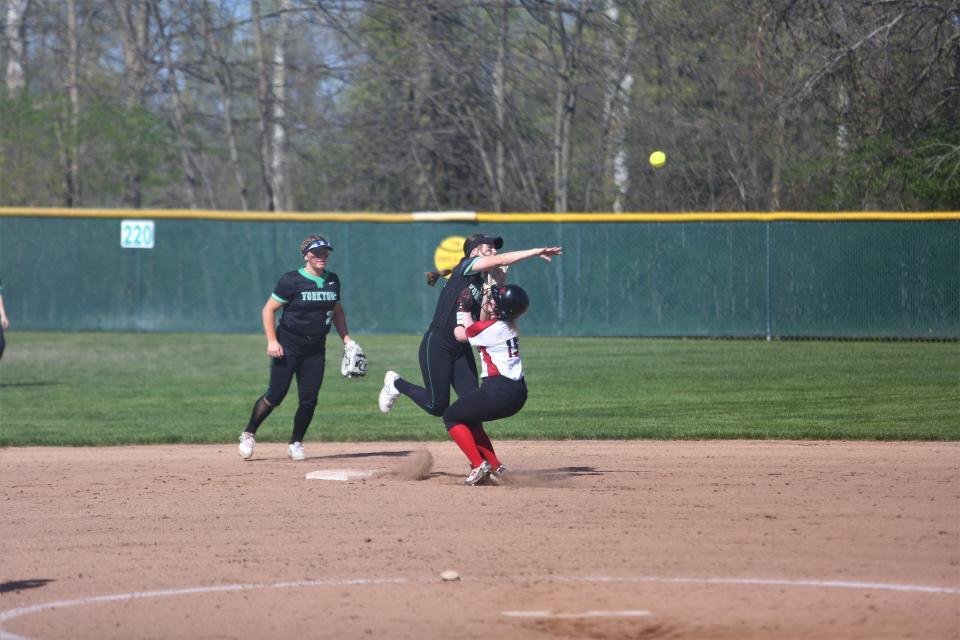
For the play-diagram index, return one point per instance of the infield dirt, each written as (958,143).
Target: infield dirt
(601,540)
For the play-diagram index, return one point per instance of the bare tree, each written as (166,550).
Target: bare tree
(481,104)
(424,143)
(278,138)
(133,17)
(13,34)
(499,101)
(263,110)
(68,128)
(272,87)
(565,23)
(223,78)
(620,45)
(187,162)
(771,103)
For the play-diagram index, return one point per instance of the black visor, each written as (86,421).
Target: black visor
(495,241)
(317,244)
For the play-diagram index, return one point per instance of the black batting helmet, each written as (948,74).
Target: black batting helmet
(512,301)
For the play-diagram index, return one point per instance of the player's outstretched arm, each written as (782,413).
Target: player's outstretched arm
(486,263)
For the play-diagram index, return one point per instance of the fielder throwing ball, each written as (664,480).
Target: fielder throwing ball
(310,299)
(445,361)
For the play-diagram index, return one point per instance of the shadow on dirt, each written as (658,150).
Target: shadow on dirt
(559,477)
(20,585)
(342,456)
(368,454)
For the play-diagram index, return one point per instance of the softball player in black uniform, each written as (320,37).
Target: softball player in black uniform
(310,299)
(443,359)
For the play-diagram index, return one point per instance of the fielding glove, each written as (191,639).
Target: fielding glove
(354,363)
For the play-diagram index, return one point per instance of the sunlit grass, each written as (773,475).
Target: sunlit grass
(127,388)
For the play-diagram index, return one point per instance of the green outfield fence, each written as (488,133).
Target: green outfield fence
(773,275)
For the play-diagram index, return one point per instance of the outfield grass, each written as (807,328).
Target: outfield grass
(127,388)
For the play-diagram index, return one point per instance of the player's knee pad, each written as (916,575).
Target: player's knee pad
(271,402)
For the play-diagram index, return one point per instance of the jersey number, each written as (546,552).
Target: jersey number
(329,317)
(513,347)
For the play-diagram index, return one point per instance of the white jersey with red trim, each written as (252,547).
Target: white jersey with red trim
(499,347)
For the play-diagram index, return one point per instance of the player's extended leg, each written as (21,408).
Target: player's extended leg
(437,355)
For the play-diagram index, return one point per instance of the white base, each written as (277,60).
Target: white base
(338,474)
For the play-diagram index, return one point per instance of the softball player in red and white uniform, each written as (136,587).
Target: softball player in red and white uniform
(503,390)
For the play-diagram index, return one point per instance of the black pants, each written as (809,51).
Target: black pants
(443,362)
(498,397)
(303,357)
(3,343)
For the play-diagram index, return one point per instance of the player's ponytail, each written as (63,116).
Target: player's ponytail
(433,276)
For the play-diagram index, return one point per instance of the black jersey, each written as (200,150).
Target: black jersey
(308,301)
(463,277)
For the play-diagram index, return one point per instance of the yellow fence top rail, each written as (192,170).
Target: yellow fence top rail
(472,216)
(716,216)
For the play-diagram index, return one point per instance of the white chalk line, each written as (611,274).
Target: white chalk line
(10,614)
(343,475)
(830,584)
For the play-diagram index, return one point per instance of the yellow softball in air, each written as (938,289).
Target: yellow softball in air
(658,159)
(448,253)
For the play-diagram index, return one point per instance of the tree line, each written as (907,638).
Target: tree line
(488,105)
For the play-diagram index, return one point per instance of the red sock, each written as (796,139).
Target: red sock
(462,435)
(484,445)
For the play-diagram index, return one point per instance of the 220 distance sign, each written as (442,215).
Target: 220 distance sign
(137,234)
